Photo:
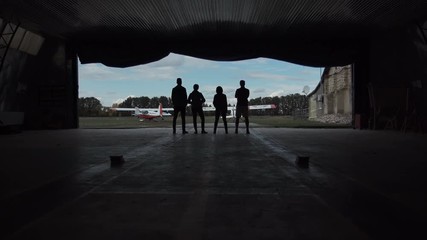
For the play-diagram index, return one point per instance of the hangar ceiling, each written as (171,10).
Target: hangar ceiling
(130,32)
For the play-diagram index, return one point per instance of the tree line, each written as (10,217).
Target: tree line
(285,105)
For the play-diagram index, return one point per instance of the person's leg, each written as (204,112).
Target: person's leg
(194,111)
(238,115)
(216,121)
(183,120)
(246,115)
(175,116)
(224,119)
(202,117)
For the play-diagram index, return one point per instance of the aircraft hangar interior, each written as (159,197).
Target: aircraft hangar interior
(56,179)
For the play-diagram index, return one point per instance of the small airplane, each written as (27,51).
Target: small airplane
(153,113)
(147,113)
(233,109)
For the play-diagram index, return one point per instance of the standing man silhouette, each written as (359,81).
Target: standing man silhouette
(220,104)
(242,106)
(179,101)
(196,100)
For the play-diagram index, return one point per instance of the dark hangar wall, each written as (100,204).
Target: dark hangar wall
(43,86)
(394,63)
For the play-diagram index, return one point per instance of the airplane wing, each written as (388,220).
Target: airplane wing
(122,109)
(133,109)
(152,112)
(140,109)
(267,106)
(253,107)
(208,109)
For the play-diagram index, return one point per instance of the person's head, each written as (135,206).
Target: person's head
(242,83)
(179,81)
(219,89)
(196,87)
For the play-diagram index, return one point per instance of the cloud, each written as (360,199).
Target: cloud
(192,62)
(258,91)
(95,71)
(165,69)
(120,100)
(229,90)
(175,61)
(267,76)
(312,71)
(278,93)
(172,60)
(168,68)
(149,73)
(284,90)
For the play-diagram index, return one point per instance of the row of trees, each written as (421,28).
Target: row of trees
(90,107)
(145,102)
(285,105)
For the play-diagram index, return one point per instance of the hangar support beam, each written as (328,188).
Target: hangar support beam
(7,31)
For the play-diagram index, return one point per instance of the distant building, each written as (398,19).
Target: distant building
(333,95)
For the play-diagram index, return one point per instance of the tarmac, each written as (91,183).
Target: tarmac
(358,184)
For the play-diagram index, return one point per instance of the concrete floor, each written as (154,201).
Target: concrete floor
(359,185)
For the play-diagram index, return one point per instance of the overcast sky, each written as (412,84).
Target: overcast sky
(264,77)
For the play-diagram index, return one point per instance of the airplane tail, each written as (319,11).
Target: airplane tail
(137,112)
(161,110)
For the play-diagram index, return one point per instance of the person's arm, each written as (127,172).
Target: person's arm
(202,98)
(215,101)
(189,100)
(172,97)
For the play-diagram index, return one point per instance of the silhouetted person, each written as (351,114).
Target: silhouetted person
(242,106)
(196,100)
(179,100)
(220,104)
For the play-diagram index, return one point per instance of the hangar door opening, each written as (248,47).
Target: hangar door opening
(130,97)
